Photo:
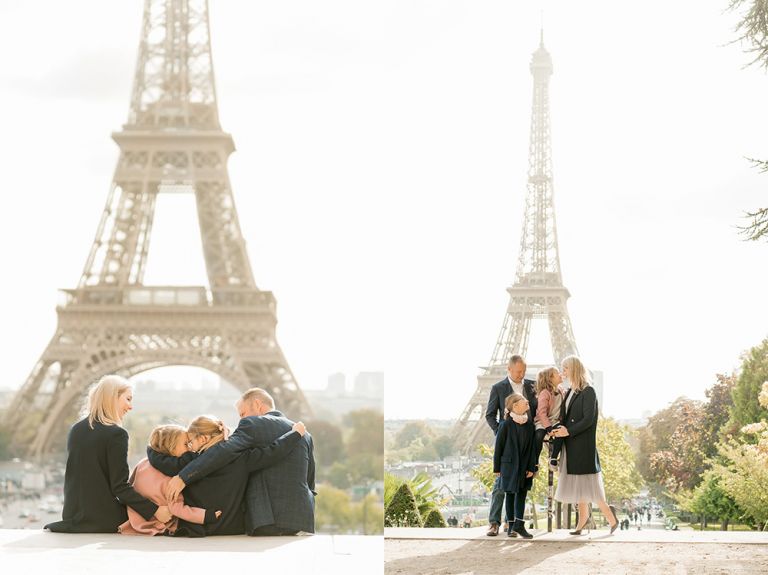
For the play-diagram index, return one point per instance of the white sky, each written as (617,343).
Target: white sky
(380,179)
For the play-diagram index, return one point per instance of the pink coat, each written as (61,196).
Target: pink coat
(150,483)
(548,411)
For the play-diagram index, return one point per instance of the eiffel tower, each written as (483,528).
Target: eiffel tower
(112,322)
(538,291)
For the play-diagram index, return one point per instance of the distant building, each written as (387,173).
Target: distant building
(597,383)
(337,384)
(369,384)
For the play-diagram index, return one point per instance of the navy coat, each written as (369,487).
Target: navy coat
(223,489)
(515,455)
(282,495)
(581,441)
(494,413)
(96,488)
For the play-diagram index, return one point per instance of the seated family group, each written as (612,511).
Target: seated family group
(259,480)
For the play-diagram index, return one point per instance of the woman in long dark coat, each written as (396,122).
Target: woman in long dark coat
(581,479)
(225,488)
(96,488)
(514,457)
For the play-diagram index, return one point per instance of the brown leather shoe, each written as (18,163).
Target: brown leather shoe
(493,530)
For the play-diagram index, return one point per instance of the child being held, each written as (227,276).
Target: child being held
(149,482)
(548,412)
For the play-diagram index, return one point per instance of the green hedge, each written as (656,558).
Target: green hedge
(402,510)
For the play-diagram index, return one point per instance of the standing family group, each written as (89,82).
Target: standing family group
(524,414)
(259,480)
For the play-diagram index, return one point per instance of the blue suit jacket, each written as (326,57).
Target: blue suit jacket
(283,494)
(494,413)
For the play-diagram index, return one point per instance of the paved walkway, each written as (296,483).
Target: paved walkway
(33,551)
(645,552)
(600,535)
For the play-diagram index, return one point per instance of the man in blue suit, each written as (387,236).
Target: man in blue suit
(514,382)
(280,499)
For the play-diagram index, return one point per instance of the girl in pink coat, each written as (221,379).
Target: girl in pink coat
(149,482)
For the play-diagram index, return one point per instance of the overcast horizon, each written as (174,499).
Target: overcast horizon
(380,172)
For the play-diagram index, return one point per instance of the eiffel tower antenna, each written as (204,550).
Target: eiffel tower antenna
(538,291)
(112,322)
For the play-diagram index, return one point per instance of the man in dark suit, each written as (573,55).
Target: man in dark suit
(280,499)
(514,382)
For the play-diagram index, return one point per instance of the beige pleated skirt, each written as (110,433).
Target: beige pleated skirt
(576,488)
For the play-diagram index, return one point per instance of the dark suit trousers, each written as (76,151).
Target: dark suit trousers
(272,531)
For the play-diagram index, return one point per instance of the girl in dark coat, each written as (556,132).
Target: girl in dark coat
(96,488)
(515,459)
(225,488)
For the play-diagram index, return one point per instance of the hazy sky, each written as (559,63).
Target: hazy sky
(380,180)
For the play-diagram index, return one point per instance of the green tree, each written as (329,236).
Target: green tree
(402,510)
(365,445)
(333,510)
(435,519)
(412,431)
(328,440)
(743,469)
(445,445)
(369,514)
(709,499)
(620,475)
(746,408)
(425,494)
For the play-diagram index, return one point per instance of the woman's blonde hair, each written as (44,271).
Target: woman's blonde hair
(164,437)
(578,373)
(544,380)
(101,405)
(207,425)
(510,401)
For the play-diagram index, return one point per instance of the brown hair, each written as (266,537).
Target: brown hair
(516,359)
(207,425)
(544,380)
(510,401)
(163,438)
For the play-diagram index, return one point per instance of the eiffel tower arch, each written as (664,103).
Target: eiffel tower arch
(112,322)
(538,291)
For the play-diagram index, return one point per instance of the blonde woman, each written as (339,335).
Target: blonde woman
(169,440)
(225,488)
(580,480)
(96,488)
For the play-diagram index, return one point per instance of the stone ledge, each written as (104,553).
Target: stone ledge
(37,551)
(600,535)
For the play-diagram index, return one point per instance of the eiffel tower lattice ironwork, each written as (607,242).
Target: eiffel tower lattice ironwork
(538,290)
(112,322)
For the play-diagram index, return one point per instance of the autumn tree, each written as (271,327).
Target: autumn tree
(753,372)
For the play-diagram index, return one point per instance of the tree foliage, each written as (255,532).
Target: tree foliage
(743,468)
(710,499)
(402,510)
(753,372)
(435,519)
(752,30)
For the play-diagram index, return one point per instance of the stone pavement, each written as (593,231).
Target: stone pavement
(645,552)
(28,552)
(599,535)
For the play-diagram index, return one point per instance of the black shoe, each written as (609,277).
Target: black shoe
(511,533)
(519,528)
